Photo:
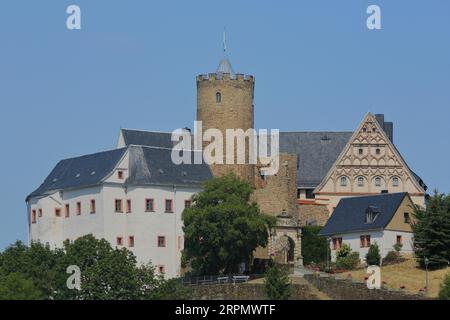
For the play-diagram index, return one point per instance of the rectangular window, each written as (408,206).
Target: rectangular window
(406,217)
(310,194)
(57,212)
(67,210)
(365,241)
(78,208)
(337,243)
(187,203)
(161,269)
(120,174)
(131,241)
(161,241)
(33,216)
(118,205)
(119,241)
(40,213)
(149,205)
(128,206)
(93,208)
(399,240)
(169,206)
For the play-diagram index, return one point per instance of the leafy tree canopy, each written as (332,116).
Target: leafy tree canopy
(107,273)
(223,227)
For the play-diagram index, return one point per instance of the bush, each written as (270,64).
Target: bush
(444,292)
(314,247)
(346,258)
(277,283)
(373,256)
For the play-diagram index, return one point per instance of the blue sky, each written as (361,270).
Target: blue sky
(317,67)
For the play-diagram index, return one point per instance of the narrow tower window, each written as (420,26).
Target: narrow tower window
(218,97)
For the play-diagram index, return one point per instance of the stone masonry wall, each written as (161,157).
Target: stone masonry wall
(341,289)
(313,212)
(245,291)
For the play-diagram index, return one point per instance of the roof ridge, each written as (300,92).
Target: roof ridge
(142,130)
(93,154)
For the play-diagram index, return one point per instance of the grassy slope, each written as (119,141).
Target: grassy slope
(408,275)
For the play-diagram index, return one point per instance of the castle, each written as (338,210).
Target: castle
(134,195)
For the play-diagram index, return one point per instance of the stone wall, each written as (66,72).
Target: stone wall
(342,289)
(313,212)
(233,111)
(245,291)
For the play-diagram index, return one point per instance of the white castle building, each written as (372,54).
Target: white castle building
(132,196)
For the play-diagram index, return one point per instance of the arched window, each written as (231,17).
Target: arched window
(377,181)
(395,182)
(218,97)
(343,181)
(360,182)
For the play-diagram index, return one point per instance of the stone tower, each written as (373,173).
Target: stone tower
(225,101)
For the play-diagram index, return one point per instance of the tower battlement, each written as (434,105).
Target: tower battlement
(225,77)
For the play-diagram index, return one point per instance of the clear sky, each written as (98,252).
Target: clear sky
(317,67)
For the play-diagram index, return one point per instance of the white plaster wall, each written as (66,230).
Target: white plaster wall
(385,239)
(55,230)
(108,224)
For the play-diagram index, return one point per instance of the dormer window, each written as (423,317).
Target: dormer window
(371,214)
(218,97)
(378,151)
(343,181)
(120,175)
(360,151)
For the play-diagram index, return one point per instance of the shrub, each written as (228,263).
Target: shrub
(444,292)
(346,258)
(373,255)
(350,262)
(276,283)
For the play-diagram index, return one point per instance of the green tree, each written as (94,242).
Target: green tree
(277,285)
(106,273)
(223,228)
(172,289)
(36,262)
(373,255)
(314,247)
(15,286)
(444,292)
(432,232)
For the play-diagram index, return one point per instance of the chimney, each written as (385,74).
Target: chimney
(388,127)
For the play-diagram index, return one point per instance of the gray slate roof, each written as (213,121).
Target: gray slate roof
(316,151)
(147,138)
(225,67)
(350,214)
(148,166)
(88,170)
